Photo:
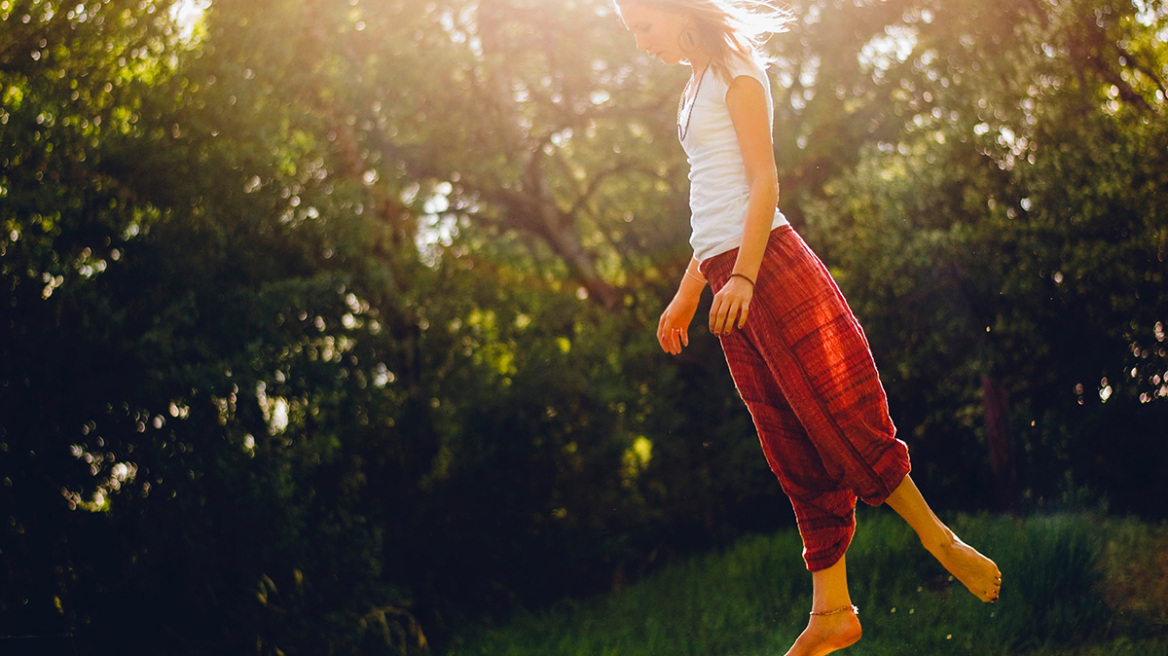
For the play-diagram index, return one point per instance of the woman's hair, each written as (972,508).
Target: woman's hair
(728,27)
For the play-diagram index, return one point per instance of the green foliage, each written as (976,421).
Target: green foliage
(752,599)
(326,325)
(1014,231)
(717,603)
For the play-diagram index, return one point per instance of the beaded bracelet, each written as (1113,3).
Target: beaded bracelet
(824,613)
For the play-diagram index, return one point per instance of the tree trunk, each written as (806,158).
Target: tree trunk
(997,415)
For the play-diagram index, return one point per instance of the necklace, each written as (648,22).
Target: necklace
(683,130)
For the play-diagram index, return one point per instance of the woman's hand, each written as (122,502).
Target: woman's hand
(731,304)
(673,328)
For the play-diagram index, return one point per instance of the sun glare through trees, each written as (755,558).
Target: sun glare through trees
(330,323)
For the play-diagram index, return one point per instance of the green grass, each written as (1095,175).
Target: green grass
(1074,585)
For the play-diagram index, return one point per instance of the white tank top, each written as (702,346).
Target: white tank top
(718,188)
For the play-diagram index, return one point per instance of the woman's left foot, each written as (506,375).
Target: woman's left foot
(976,572)
(827,633)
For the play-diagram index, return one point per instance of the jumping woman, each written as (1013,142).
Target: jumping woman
(797,354)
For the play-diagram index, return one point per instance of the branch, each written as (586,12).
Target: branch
(1136,65)
(599,178)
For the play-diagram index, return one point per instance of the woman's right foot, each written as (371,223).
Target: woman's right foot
(976,572)
(827,633)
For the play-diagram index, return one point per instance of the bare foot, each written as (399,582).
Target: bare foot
(974,570)
(827,633)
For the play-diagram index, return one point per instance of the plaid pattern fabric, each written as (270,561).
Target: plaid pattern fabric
(805,371)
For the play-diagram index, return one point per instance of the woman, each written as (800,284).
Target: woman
(797,354)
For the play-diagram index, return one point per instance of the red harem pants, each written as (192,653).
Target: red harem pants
(803,367)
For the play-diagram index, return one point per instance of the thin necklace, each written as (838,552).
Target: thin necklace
(684,130)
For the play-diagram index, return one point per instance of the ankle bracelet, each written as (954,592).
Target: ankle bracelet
(837,611)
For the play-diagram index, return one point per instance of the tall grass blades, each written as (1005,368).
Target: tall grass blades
(753,600)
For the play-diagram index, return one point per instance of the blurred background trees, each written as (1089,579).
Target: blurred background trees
(328,324)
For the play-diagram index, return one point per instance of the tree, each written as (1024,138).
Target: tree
(328,324)
(972,222)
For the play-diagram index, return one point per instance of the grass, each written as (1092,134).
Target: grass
(1073,585)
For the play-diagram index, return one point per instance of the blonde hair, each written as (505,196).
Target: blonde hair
(728,27)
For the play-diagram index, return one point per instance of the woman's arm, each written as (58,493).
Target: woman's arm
(746,101)
(673,327)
